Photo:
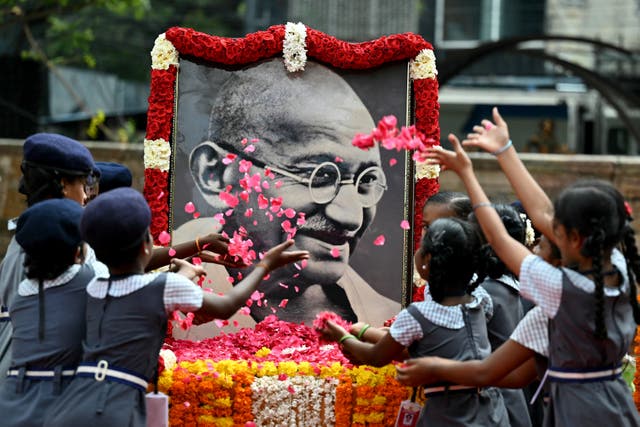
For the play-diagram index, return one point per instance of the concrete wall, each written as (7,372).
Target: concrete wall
(553,172)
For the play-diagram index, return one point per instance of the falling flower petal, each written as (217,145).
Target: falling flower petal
(379,240)
(405,224)
(263,202)
(250,148)
(283,303)
(229,158)
(255,140)
(248,212)
(303,263)
(256,295)
(278,184)
(339,159)
(196,215)
(289,213)
(335,252)
(244,141)
(245,310)
(196,260)
(161,195)
(283,285)
(172,252)
(164,237)
(392,162)
(297,289)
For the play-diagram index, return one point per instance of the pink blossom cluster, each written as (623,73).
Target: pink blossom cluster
(390,137)
(287,342)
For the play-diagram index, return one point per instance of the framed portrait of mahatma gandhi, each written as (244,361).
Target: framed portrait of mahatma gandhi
(252,137)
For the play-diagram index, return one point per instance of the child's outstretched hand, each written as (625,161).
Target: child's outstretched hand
(226,259)
(456,160)
(332,331)
(185,268)
(415,372)
(278,256)
(214,242)
(489,136)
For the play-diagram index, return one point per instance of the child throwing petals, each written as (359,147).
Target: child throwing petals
(127,312)
(590,301)
(452,324)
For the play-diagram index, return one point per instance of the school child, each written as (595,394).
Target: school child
(47,312)
(53,167)
(515,363)
(444,204)
(127,312)
(590,301)
(452,324)
(504,289)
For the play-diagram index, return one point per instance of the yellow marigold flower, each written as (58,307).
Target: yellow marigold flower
(263,352)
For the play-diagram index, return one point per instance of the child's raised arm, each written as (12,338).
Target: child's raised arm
(510,251)
(494,138)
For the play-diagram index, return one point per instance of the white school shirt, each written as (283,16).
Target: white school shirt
(406,329)
(532,332)
(541,282)
(180,293)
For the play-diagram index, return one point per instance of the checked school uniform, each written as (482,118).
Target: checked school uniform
(126,326)
(584,372)
(41,369)
(533,333)
(507,312)
(454,332)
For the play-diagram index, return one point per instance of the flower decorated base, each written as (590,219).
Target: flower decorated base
(277,374)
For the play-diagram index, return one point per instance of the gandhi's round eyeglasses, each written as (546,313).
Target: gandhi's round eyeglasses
(325,181)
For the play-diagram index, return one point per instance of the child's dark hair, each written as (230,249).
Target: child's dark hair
(586,208)
(48,267)
(452,244)
(122,256)
(40,183)
(459,203)
(489,263)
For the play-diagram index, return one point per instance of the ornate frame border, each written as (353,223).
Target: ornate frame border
(253,47)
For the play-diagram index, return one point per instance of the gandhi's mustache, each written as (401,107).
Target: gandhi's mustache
(326,231)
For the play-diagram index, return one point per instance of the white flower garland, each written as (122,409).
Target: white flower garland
(169,357)
(157,154)
(425,170)
(163,54)
(423,66)
(529,234)
(294,401)
(294,47)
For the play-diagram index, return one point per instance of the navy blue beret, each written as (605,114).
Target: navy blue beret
(50,227)
(58,152)
(115,220)
(113,175)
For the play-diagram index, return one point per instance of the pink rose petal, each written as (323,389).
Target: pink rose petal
(164,237)
(161,195)
(172,252)
(405,224)
(339,159)
(335,252)
(283,303)
(379,240)
(248,212)
(250,148)
(255,140)
(392,162)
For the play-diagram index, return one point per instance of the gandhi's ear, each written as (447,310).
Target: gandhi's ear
(207,169)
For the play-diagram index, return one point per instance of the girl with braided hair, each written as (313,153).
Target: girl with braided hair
(590,301)
(504,288)
(451,324)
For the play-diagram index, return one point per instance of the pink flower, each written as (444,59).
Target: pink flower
(320,322)
(164,238)
(189,207)
(363,141)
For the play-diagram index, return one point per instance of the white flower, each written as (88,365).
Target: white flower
(163,54)
(294,47)
(157,154)
(423,66)
(529,234)
(425,170)
(169,358)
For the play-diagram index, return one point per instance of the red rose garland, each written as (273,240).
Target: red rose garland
(265,44)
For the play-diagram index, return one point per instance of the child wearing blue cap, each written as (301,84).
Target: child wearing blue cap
(127,312)
(48,311)
(53,167)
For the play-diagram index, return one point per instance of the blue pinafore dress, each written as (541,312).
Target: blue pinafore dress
(42,369)
(574,352)
(124,337)
(507,312)
(467,407)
